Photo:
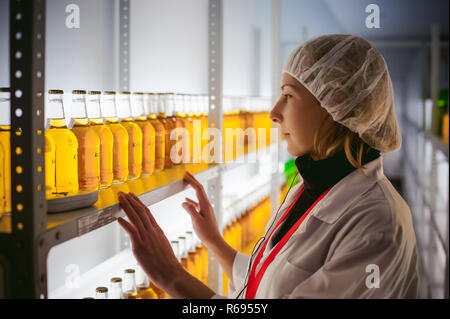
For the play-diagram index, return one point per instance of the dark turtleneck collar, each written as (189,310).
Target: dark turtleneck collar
(320,175)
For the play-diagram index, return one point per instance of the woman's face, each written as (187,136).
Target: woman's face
(299,115)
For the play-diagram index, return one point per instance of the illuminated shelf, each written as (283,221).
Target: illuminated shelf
(150,190)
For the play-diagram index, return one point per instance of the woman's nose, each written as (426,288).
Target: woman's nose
(275,115)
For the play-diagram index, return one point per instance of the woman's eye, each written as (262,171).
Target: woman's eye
(287,96)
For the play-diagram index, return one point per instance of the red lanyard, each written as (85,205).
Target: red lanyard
(253,281)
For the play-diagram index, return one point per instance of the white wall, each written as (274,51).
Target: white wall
(4,40)
(247,47)
(169,46)
(304,19)
(80,58)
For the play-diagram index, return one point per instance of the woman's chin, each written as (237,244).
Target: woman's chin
(295,151)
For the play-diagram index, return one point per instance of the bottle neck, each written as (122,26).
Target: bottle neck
(97,121)
(111,120)
(129,283)
(57,123)
(80,122)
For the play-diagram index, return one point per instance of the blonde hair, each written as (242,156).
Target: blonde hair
(335,138)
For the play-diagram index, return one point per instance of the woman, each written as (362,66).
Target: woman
(344,232)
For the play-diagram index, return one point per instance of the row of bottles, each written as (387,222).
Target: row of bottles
(193,255)
(134,285)
(97,139)
(113,138)
(245,113)
(245,222)
(443,112)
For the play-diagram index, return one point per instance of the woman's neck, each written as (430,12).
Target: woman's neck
(323,174)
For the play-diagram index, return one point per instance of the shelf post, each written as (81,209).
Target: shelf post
(28,203)
(124,45)
(215,119)
(276,81)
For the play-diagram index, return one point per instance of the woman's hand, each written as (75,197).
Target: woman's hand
(150,246)
(202,213)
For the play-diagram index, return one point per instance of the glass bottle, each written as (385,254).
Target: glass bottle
(97,122)
(197,128)
(192,258)
(205,124)
(101,293)
(120,135)
(5,151)
(88,143)
(66,146)
(115,289)
(134,136)
(185,262)
(160,133)
(144,290)
(50,165)
(148,133)
(178,121)
(168,126)
(129,285)
(187,109)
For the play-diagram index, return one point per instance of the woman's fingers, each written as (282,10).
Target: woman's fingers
(140,209)
(130,212)
(196,205)
(190,209)
(200,191)
(134,235)
(145,209)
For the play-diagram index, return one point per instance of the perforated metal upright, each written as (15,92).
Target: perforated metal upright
(19,256)
(124,45)
(215,119)
(275,146)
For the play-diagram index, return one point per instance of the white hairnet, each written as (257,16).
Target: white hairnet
(350,79)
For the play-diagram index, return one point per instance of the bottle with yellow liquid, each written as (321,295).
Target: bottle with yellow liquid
(176,250)
(168,126)
(204,125)
(227,138)
(120,137)
(151,103)
(134,136)
(50,165)
(97,122)
(101,293)
(228,237)
(186,262)
(144,291)
(129,285)
(88,143)
(148,133)
(174,108)
(115,289)
(191,254)
(197,128)
(66,148)
(5,152)
(187,110)
(183,138)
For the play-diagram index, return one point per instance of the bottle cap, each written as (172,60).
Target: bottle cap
(101,289)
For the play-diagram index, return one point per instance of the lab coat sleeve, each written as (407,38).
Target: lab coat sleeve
(240,267)
(370,261)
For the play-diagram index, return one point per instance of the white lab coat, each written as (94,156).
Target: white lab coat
(361,228)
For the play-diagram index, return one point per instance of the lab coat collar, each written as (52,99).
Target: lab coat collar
(342,194)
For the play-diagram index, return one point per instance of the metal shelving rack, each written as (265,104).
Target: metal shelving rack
(422,151)
(23,259)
